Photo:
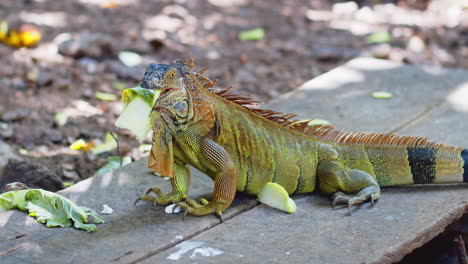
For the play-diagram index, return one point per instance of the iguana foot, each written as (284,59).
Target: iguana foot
(371,193)
(202,208)
(164,198)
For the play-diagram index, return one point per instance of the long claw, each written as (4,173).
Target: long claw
(136,201)
(156,191)
(219,214)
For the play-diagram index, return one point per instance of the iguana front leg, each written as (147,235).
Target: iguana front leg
(215,158)
(180,185)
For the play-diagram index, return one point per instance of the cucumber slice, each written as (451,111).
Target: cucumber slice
(274,195)
(136,115)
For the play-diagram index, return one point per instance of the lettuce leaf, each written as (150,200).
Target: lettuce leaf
(51,209)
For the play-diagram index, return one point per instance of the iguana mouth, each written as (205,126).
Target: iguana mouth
(167,90)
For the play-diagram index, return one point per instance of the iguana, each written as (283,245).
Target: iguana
(242,148)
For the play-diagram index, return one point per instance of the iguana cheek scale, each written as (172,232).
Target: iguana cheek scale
(242,148)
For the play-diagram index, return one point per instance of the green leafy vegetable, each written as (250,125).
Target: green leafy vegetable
(136,115)
(23,151)
(108,145)
(252,34)
(148,96)
(274,195)
(382,95)
(67,183)
(379,37)
(119,85)
(113,162)
(106,96)
(82,145)
(61,118)
(51,209)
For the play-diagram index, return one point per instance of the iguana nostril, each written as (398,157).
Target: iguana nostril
(144,84)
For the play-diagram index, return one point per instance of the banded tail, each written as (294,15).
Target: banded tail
(464,155)
(396,160)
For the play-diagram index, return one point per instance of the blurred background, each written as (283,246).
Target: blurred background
(65,63)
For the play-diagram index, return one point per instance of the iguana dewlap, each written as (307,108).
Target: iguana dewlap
(243,148)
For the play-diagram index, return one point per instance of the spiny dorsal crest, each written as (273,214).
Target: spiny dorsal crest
(320,132)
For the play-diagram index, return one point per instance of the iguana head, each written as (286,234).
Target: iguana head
(183,100)
(164,77)
(174,101)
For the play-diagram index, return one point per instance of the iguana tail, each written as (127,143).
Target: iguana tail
(396,160)
(464,155)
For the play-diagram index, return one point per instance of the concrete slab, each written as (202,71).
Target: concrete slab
(404,219)
(426,101)
(131,232)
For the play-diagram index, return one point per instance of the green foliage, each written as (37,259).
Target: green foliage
(252,34)
(50,209)
(108,145)
(106,96)
(379,37)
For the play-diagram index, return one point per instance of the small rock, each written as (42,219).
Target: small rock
(18,84)
(44,78)
(106,209)
(15,115)
(63,84)
(93,45)
(71,175)
(127,73)
(33,174)
(6,153)
(381,51)
(15,186)
(329,53)
(68,166)
(345,9)
(53,135)
(32,75)
(164,22)
(6,130)
(89,64)
(87,93)
(416,44)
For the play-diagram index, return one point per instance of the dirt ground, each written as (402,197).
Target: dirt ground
(81,40)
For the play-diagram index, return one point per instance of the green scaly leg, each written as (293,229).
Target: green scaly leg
(342,183)
(180,185)
(215,157)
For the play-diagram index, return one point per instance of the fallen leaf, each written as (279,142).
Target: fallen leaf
(252,34)
(382,95)
(119,86)
(23,151)
(106,96)
(50,208)
(379,37)
(108,145)
(82,145)
(61,119)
